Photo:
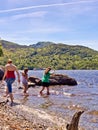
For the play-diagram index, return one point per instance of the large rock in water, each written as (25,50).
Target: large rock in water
(60,79)
(55,79)
(1,72)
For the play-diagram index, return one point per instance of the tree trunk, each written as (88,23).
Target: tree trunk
(74,122)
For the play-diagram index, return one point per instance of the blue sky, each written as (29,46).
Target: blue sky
(73,22)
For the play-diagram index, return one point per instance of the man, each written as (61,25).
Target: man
(9,77)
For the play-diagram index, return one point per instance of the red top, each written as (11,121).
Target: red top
(10,74)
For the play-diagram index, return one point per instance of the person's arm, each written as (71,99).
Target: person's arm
(53,72)
(27,76)
(18,75)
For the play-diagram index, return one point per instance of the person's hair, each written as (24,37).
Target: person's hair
(25,70)
(47,70)
(9,61)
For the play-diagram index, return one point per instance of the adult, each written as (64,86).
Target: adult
(9,77)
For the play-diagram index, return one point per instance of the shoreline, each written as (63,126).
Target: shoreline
(12,120)
(15,118)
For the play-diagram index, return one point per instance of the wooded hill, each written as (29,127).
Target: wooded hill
(44,54)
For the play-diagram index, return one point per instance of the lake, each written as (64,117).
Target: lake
(64,100)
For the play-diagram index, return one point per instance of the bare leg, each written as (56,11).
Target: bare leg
(48,93)
(42,90)
(11,98)
(24,87)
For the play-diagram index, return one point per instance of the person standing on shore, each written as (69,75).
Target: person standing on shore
(45,81)
(9,77)
(25,80)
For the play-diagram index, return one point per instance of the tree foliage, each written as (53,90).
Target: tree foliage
(1,51)
(58,56)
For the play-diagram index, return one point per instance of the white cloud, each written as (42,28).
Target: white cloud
(29,15)
(6,19)
(48,5)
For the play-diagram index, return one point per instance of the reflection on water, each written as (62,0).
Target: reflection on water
(64,101)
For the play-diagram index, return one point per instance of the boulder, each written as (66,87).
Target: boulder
(60,79)
(55,79)
(1,72)
(32,81)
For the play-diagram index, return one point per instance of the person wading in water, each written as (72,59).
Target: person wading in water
(25,81)
(45,80)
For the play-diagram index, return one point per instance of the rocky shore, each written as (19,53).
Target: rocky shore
(11,120)
(14,118)
(17,118)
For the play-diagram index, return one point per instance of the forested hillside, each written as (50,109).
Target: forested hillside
(44,54)
(1,51)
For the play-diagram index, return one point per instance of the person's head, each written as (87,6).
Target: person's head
(9,61)
(25,70)
(49,68)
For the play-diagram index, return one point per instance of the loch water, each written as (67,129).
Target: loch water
(65,100)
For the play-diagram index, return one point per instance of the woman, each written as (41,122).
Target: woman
(45,81)
(9,77)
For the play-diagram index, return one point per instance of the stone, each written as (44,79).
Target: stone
(55,79)
(60,79)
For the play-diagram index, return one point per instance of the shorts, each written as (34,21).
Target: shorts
(25,82)
(9,82)
(45,84)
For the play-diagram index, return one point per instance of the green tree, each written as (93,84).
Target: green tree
(1,51)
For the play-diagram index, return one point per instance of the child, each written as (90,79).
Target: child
(45,81)
(25,80)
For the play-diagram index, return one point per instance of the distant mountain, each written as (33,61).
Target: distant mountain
(49,48)
(44,54)
(9,45)
(41,44)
